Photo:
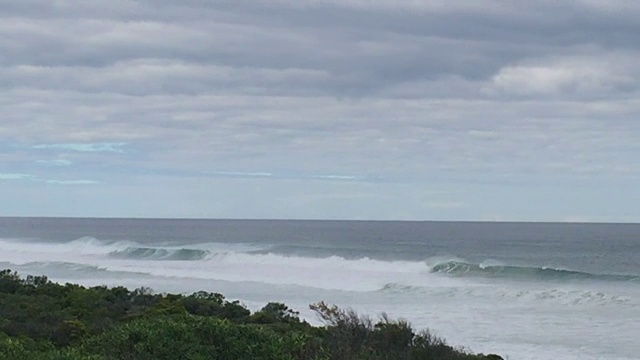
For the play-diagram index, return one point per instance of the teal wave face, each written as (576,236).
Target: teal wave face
(463,269)
(159,254)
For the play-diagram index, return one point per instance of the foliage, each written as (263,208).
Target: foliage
(40,319)
(194,337)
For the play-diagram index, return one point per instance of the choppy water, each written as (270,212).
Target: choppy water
(524,290)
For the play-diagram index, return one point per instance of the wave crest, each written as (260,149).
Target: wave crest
(464,269)
(148,253)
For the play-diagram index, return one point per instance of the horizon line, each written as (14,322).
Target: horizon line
(318,220)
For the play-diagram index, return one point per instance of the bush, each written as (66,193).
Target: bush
(194,337)
(40,319)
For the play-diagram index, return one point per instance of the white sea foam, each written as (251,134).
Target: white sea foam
(223,262)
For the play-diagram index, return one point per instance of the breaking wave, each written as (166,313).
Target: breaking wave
(464,269)
(149,253)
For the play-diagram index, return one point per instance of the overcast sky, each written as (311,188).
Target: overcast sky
(342,109)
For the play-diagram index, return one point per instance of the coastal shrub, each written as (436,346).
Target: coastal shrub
(346,332)
(214,304)
(193,337)
(40,319)
(27,349)
(391,339)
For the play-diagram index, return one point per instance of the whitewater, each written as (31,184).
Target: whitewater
(522,290)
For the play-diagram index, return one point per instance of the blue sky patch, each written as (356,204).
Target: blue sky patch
(115,147)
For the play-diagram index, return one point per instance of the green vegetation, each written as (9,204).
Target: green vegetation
(40,319)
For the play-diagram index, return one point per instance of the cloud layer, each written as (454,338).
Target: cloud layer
(383,109)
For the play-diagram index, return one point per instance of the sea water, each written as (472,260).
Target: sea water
(522,290)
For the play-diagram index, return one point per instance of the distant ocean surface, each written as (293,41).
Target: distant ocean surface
(522,290)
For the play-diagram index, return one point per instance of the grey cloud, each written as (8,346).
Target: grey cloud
(150,76)
(438,135)
(383,88)
(285,48)
(364,48)
(612,74)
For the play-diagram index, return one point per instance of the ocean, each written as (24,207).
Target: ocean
(522,290)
